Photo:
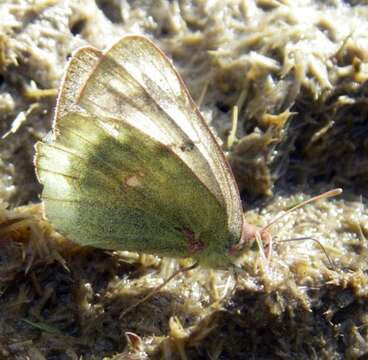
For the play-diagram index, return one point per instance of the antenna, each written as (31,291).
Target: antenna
(265,233)
(325,195)
(332,264)
(251,232)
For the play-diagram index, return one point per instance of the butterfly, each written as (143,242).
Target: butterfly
(132,165)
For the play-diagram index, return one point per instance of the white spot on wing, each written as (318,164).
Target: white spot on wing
(133,181)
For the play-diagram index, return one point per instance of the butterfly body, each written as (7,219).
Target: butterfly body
(132,165)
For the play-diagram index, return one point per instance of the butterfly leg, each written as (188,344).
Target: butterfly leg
(158,288)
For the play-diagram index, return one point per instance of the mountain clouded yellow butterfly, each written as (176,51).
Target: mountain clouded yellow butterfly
(132,164)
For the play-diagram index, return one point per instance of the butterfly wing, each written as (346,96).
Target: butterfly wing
(79,69)
(143,171)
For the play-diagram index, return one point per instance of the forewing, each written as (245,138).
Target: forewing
(135,82)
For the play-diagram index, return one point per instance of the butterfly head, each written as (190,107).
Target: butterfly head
(249,234)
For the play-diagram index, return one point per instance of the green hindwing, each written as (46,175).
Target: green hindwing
(108,185)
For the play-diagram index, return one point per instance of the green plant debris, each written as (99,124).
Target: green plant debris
(42,326)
